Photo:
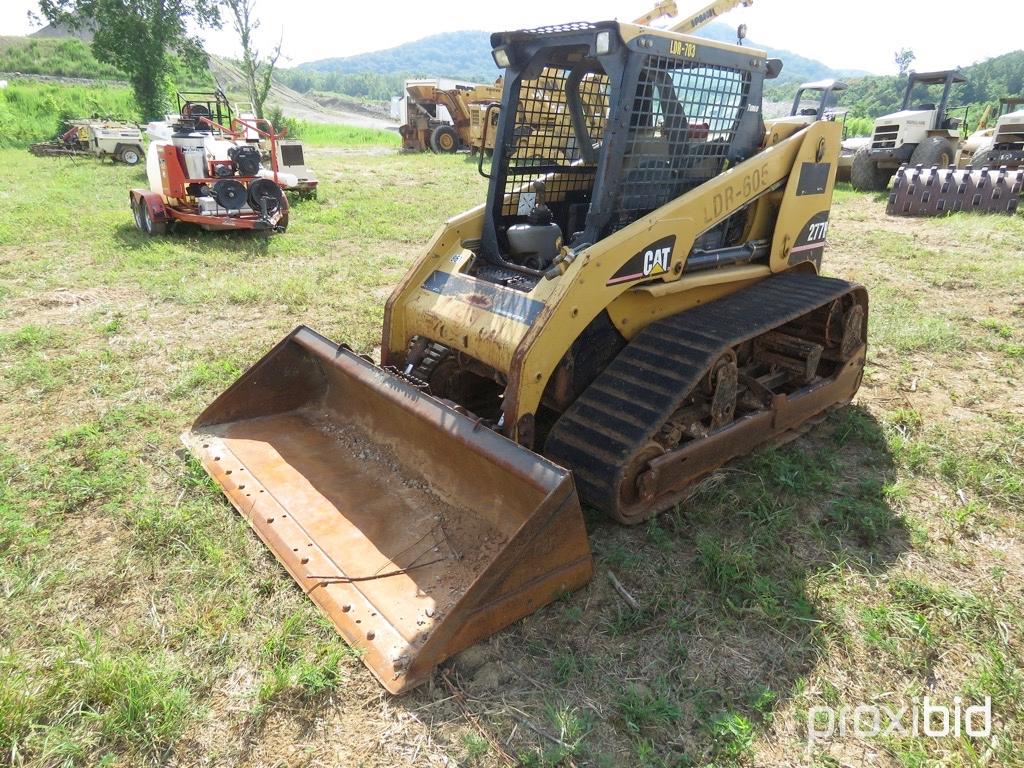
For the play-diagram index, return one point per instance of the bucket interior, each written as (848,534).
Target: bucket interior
(385,505)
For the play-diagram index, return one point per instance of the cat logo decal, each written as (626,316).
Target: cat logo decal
(653,261)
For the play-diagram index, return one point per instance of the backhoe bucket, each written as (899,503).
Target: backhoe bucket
(417,530)
(933,191)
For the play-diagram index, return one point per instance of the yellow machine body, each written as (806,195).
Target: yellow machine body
(531,360)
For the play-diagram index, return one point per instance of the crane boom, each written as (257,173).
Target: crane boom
(708,13)
(662,8)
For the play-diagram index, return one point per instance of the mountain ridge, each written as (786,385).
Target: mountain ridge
(466,54)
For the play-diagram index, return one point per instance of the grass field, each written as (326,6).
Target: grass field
(32,111)
(334,135)
(877,560)
(53,56)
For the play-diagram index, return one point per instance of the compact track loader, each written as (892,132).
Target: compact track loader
(636,302)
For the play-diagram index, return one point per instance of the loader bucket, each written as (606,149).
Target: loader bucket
(414,528)
(920,191)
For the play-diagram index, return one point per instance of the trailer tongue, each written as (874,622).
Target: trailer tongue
(418,541)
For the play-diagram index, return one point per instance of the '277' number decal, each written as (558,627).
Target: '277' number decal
(817,231)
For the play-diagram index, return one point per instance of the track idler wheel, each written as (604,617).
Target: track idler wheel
(853,331)
(723,382)
(635,491)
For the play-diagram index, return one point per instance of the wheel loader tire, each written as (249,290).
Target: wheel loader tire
(865,175)
(130,155)
(981,159)
(934,151)
(444,140)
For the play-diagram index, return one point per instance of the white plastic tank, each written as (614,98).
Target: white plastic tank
(159,129)
(283,177)
(156,183)
(193,151)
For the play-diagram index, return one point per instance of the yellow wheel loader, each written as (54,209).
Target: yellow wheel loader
(636,302)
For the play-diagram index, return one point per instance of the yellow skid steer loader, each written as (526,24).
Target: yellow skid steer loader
(637,302)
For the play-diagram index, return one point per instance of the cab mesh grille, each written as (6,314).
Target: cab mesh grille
(683,123)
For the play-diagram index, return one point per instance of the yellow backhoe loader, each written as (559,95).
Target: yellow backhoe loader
(423,129)
(623,314)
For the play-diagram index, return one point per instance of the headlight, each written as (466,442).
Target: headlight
(501,58)
(604,43)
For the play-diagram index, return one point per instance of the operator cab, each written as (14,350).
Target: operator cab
(1008,104)
(923,87)
(611,122)
(815,100)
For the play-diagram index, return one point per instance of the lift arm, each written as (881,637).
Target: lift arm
(707,14)
(983,123)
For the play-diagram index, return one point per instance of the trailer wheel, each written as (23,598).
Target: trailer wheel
(130,155)
(865,175)
(282,225)
(444,139)
(934,151)
(137,206)
(151,226)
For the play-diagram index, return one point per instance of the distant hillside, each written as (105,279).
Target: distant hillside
(467,55)
(62,31)
(227,74)
(986,82)
(464,55)
(49,55)
(796,68)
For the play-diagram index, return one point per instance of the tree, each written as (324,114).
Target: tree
(140,37)
(258,70)
(904,57)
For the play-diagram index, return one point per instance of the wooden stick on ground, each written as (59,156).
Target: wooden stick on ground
(622,592)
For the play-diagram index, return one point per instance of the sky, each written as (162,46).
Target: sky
(860,35)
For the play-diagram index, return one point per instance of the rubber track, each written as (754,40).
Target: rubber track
(627,404)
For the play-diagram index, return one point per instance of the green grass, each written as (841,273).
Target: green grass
(642,708)
(51,56)
(31,111)
(89,698)
(331,135)
(876,558)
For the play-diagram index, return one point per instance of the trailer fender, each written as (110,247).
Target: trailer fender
(154,202)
